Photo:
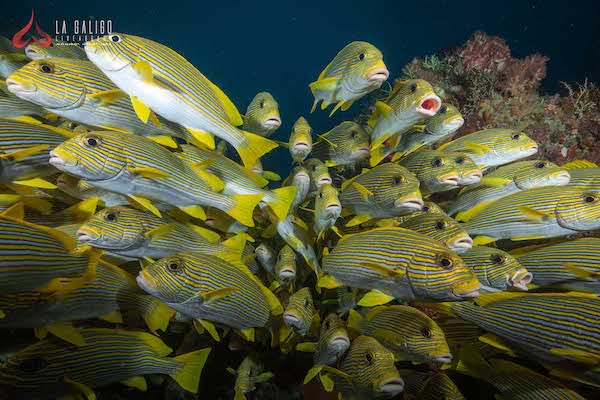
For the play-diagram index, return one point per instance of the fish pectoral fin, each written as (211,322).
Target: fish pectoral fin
(231,371)
(160,231)
(327,382)
(26,152)
(35,182)
(495,341)
(154,118)
(482,240)
(66,332)
(164,140)
(195,211)
(581,356)
(533,215)
(339,105)
(580,272)
(265,376)
(312,373)
(143,69)
(493,182)
(358,219)
(325,85)
(328,282)
(148,172)
(364,192)
(375,298)
(209,327)
(138,382)
(141,109)
(114,317)
(84,389)
(205,138)
(271,176)
(146,204)
(248,334)
(397,272)
(307,347)
(476,148)
(214,296)
(106,97)
(383,108)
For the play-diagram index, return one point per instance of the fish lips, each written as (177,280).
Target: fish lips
(272,123)
(443,359)
(61,160)
(340,342)
(378,73)
(429,105)
(470,178)
(85,235)
(20,87)
(519,280)
(146,282)
(412,203)
(461,244)
(391,387)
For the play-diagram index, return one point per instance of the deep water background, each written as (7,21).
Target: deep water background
(281,46)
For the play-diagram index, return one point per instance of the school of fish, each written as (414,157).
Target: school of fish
(139,232)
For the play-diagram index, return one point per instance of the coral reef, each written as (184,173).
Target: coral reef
(494,89)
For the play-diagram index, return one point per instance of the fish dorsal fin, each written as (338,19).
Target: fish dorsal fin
(230,109)
(16,211)
(579,164)
(375,298)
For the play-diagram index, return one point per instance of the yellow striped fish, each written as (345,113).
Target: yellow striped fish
(300,312)
(406,331)
(240,181)
(53,368)
(346,144)
(262,115)
(207,287)
(24,152)
(79,91)
(158,79)
(399,263)
(58,48)
(469,173)
(132,233)
(543,212)
(142,169)
(585,177)
(573,264)
(493,147)
(429,207)
(385,191)
(81,189)
(31,256)
(319,174)
(285,266)
(11,58)
(248,374)
(300,142)
(421,385)
(409,103)
(356,70)
(496,269)
(508,179)
(327,210)
(441,228)
(300,178)
(12,107)
(333,341)
(437,171)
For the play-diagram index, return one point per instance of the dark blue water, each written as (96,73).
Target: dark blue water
(281,46)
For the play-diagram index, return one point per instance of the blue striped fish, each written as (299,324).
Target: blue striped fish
(496,269)
(262,115)
(333,341)
(52,368)
(406,331)
(12,107)
(356,70)
(207,287)
(543,212)
(143,170)
(401,264)
(79,91)
(59,48)
(347,144)
(441,228)
(300,312)
(11,58)
(159,79)
(437,171)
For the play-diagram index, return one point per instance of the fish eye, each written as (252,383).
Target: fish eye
(399,179)
(32,364)
(516,136)
(589,198)
(46,68)
(321,195)
(111,216)
(541,164)
(173,266)
(425,209)
(369,357)
(413,87)
(92,141)
(115,38)
(440,225)
(72,125)
(361,56)
(442,110)
(437,162)
(353,134)
(348,289)
(326,325)
(426,332)
(459,160)
(262,104)
(445,262)
(497,258)
(306,302)
(314,168)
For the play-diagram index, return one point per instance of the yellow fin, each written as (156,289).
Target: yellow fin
(358,219)
(195,211)
(579,271)
(210,328)
(215,183)
(495,341)
(26,152)
(347,105)
(115,317)
(483,240)
(247,334)
(82,210)
(467,215)
(87,392)
(212,237)
(239,395)
(324,105)
(307,347)
(149,172)
(533,215)
(337,107)
(254,147)
(230,109)
(164,140)
(271,176)
(40,205)
(216,295)
(265,376)
(106,97)
(147,204)
(579,164)
(310,375)
(476,148)
(156,314)
(16,211)
(375,298)
(236,243)
(327,382)
(494,182)
(282,201)
(581,356)
(160,231)
(325,84)
(243,207)
(188,375)
(66,332)
(138,382)
(144,71)
(328,282)
(141,110)
(354,320)
(28,120)
(35,182)
(154,119)
(364,192)
(383,109)
(206,138)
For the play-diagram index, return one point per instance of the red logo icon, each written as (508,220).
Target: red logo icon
(44,41)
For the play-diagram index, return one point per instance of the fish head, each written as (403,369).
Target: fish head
(250,368)
(35,366)
(415,97)
(319,173)
(300,178)
(166,279)
(113,228)
(469,173)
(494,268)
(538,173)
(360,66)
(579,210)
(445,122)
(350,142)
(114,52)
(334,335)
(327,202)
(263,110)
(426,340)
(300,142)
(285,267)
(441,228)
(93,156)
(300,311)
(394,185)
(510,144)
(51,83)
(34,51)
(264,252)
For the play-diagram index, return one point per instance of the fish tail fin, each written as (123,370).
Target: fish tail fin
(156,314)
(254,147)
(236,243)
(354,320)
(472,363)
(188,375)
(282,200)
(243,207)
(378,154)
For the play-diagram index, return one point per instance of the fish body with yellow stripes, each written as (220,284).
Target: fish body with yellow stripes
(441,228)
(437,171)
(300,143)
(356,70)
(347,144)
(159,79)
(327,210)
(59,48)
(496,270)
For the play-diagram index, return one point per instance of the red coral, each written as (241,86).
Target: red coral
(484,53)
(522,76)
